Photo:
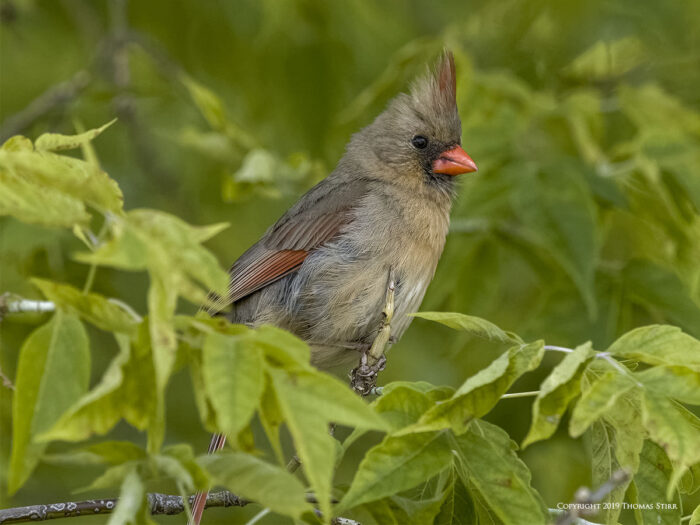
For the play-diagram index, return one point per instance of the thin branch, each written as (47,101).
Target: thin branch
(363,378)
(606,357)
(56,96)
(587,502)
(9,305)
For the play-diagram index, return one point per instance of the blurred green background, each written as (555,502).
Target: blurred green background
(584,118)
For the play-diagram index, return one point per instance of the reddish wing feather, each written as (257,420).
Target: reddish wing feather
(263,271)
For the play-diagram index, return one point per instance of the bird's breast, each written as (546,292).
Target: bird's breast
(342,284)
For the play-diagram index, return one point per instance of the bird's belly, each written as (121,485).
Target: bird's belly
(340,308)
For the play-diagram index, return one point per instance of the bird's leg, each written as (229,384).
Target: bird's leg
(364,377)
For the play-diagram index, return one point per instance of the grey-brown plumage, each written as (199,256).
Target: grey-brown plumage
(321,271)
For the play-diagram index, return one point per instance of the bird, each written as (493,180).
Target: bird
(321,270)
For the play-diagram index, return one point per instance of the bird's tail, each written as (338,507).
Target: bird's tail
(200,499)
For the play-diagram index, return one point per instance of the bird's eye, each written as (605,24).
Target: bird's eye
(419,142)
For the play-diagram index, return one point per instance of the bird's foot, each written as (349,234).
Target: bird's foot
(363,377)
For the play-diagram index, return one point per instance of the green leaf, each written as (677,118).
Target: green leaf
(131,508)
(113,476)
(168,247)
(597,399)
(559,215)
(557,390)
(607,59)
(695,517)
(207,102)
(125,391)
(233,378)
(616,442)
(17,143)
(255,479)
(171,251)
(660,289)
(190,468)
(673,381)
(402,403)
(92,307)
(472,325)
(58,176)
(163,236)
(29,203)
(486,460)
(649,488)
(281,347)
(309,401)
(676,430)
(604,441)
(52,373)
(659,345)
(457,507)
(57,142)
(104,453)
(482,391)
(271,418)
(397,464)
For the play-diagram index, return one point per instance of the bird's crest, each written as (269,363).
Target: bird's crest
(435,93)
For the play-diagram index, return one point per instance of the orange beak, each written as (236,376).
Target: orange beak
(454,161)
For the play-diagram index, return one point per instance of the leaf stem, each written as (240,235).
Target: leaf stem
(558,349)
(520,394)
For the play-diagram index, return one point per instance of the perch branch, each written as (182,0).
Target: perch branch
(158,504)
(363,378)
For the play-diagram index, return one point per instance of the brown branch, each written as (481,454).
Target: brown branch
(117,61)
(363,378)
(55,97)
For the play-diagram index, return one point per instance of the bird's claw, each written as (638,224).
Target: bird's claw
(364,377)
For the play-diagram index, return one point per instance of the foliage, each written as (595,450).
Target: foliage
(581,228)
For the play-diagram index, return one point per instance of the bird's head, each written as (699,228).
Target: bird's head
(419,133)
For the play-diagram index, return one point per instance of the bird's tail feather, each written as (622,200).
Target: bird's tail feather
(200,499)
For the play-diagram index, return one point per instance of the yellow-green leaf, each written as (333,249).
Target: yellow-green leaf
(52,373)
(397,464)
(649,488)
(487,463)
(472,325)
(597,399)
(126,390)
(557,390)
(309,401)
(481,392)
(57,142)
(92,307)
(659,345)
(232,369)
(676,430)
(250,477)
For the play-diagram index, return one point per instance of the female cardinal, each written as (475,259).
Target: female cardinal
(321,270)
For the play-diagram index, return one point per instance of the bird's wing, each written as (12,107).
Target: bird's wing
(313,221)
